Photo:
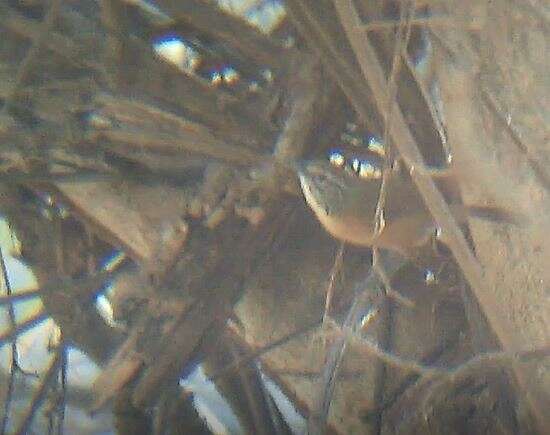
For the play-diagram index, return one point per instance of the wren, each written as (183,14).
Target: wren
(343,192)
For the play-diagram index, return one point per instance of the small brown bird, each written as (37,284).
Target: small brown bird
(343,192)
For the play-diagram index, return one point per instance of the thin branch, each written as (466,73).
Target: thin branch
(429,373)
(429,102)
(247,359)
(479,362)
(367,296)
(336,268)
(83,287)
(20,328)
(14,353)
(429,359)
(390,292)
(401,41)
(342,69)
(40,395)
(373,348)
(62,404)
(244,390)
(402,37)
